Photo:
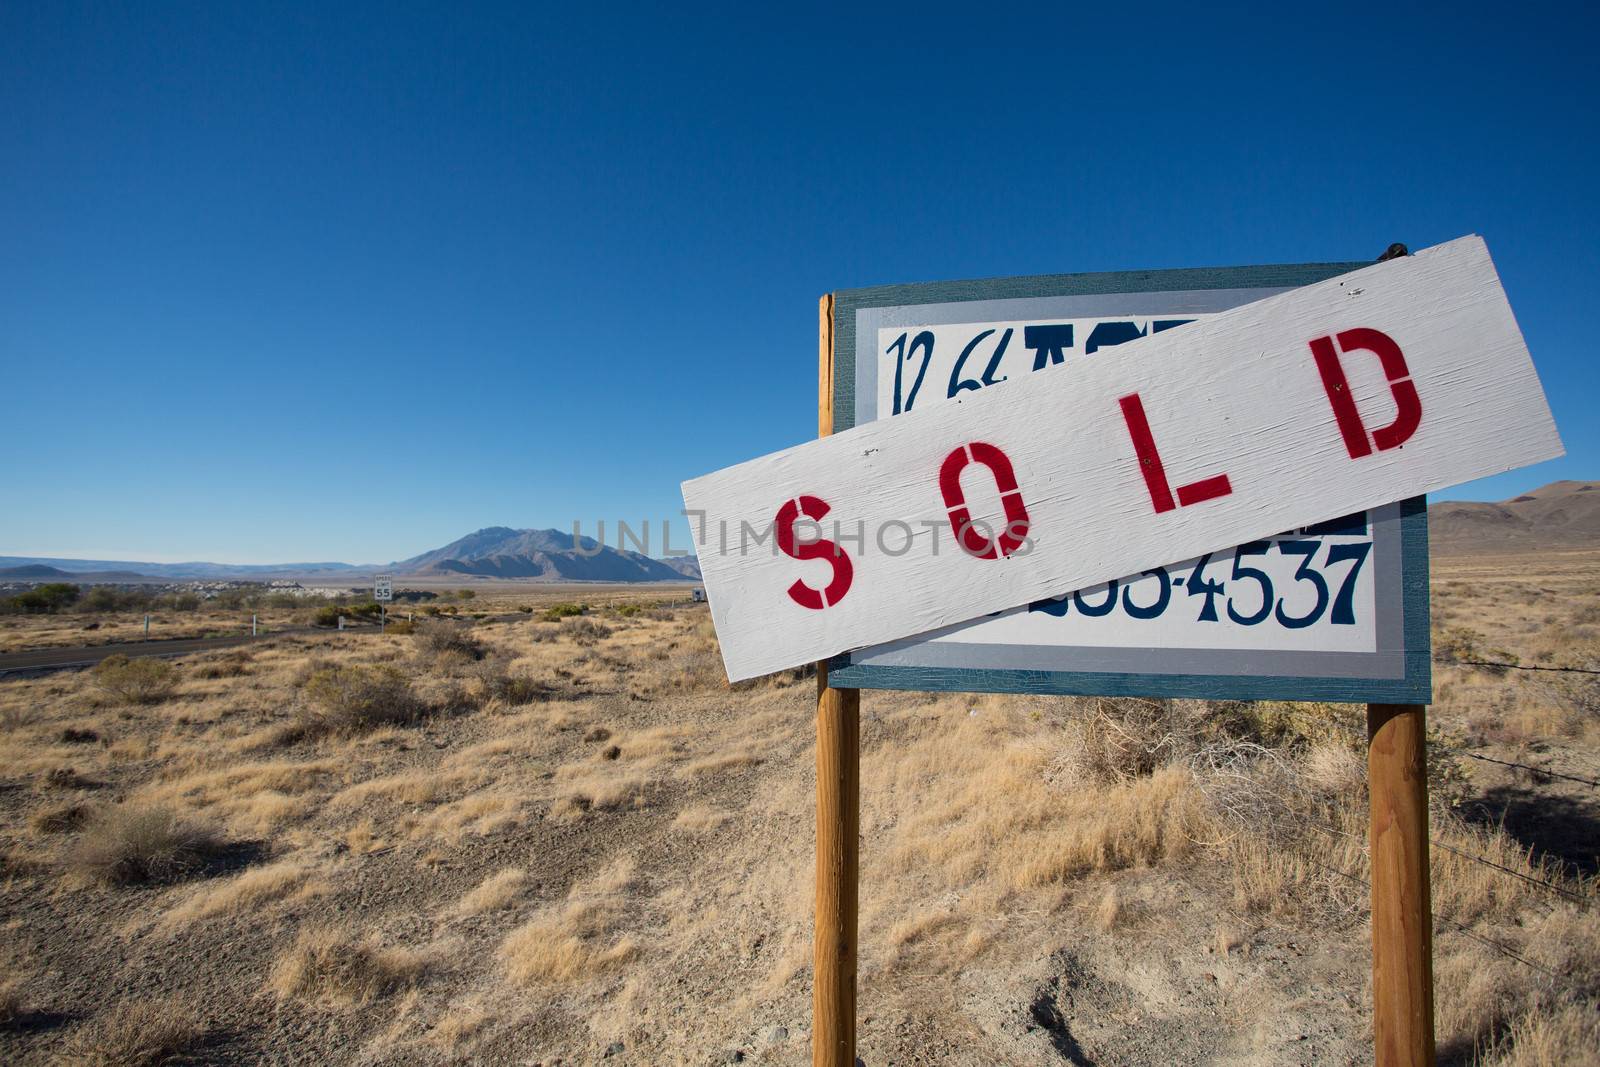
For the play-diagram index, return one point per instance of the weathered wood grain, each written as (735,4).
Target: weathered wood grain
(1238,394)
(833,971)
(1402,914)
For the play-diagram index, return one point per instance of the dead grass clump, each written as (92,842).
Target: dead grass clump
(495,893)
(228,665)
(1110,912)
(61,819)
(135,681)
(329,965)
(353,699)
(11,1003)
(585,631)
(310,667)
(700,818)
(448,640)
(1122,739)
(514,689)
(1553,1036)
(1465,890)
(562,948)
(246,892)
(694,670)
(69,778)
(1147,821)
(140,1034)
(575,942)
(1475,997)
(128,844)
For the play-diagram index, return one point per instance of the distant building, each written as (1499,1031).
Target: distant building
(699,594)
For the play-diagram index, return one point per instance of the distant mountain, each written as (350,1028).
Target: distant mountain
(129,570)
(34,572)
(688,566)
(1561,515)
(501,552)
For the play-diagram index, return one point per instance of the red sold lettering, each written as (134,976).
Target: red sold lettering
(844,571)
(1155,472)
(955,501)
(1408,405)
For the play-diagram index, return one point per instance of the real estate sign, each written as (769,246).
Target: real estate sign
(1076,444)
(1332,611)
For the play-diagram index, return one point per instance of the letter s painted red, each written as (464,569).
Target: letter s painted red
(843,570)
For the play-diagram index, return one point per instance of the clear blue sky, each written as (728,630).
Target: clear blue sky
(289,283)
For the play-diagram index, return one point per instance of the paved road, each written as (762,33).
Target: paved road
(50,659)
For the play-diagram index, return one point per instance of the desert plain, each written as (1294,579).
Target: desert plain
(558,836)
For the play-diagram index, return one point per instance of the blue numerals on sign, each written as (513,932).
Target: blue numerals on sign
(1251,600)
(1306,550)
(1048,342)
(902,355)
(1199,585)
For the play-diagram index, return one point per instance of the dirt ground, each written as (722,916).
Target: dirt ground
(563,839)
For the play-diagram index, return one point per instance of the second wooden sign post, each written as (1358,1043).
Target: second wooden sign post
(833,991)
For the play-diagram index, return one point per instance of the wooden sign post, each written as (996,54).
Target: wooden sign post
(1402,913)
(833,990)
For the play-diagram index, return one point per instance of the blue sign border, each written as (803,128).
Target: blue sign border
(1414,687)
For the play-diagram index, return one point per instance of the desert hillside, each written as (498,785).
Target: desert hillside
(1558,516)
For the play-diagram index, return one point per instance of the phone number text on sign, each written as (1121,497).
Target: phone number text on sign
(942,362)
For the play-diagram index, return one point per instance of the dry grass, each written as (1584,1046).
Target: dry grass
(495,893)
(139,1034)
(1140,841)
(329,965)
(700,818)
(576,941)
(130,844)
(12,1005)
(1548,1035)
(248,893)
(561,948)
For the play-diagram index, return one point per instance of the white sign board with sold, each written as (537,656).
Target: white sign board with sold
(1335,611)
(1379,385)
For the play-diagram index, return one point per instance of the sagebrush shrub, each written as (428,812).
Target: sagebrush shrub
(135,681)
(584,631)
(129,844)
(448,639)
(351,699)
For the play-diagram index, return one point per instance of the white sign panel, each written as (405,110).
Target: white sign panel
(1382,384)
(381,590)
(1336,611)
